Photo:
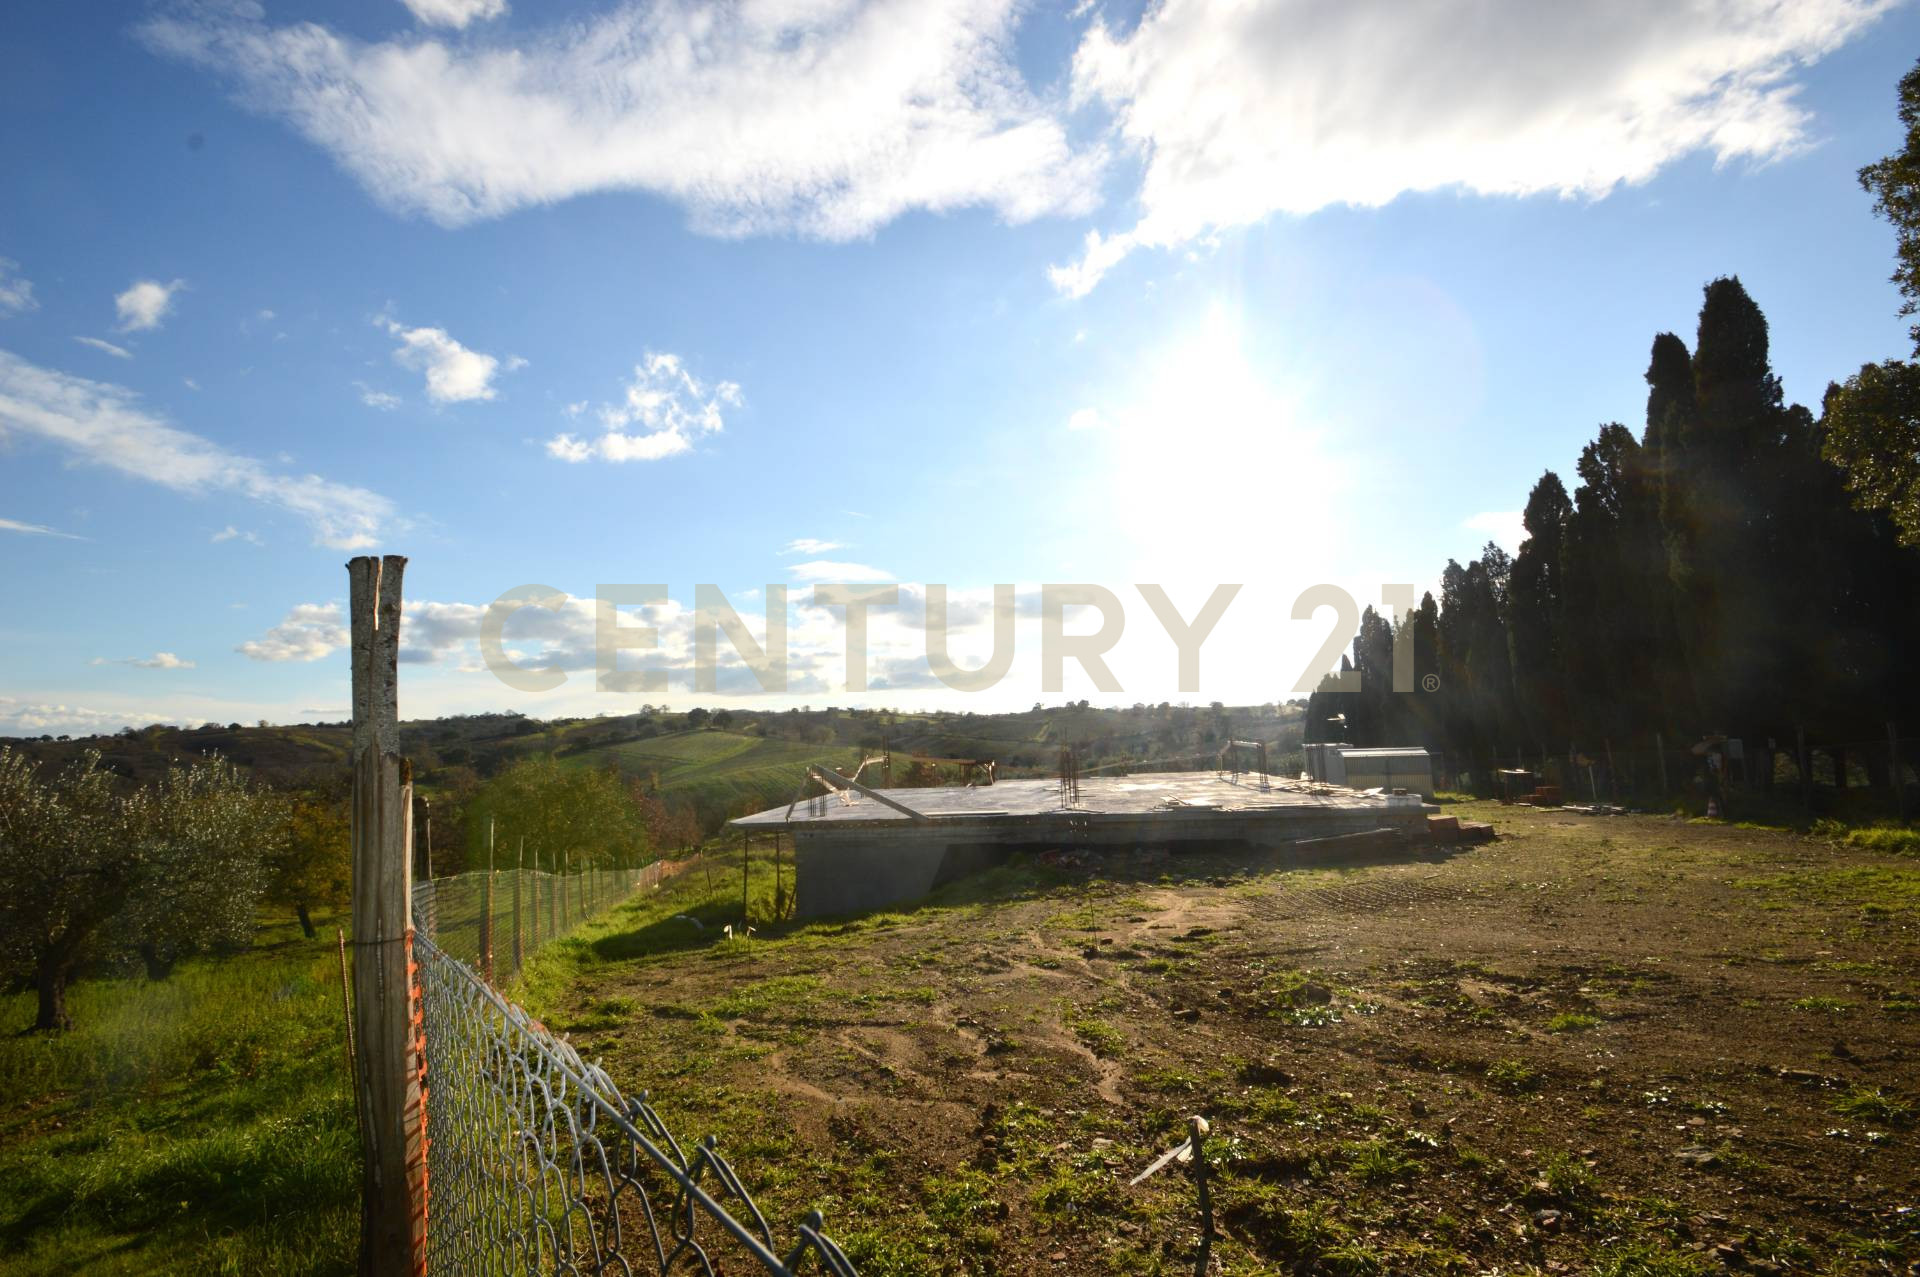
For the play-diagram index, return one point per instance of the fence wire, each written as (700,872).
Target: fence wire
(494,921)
(537,1164)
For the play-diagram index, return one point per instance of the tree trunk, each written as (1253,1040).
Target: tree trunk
(52,980)
(306,920)
(158,968)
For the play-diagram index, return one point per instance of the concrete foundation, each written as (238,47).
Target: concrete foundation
(856,855)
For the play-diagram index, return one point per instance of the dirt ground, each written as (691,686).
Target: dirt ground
(1620,1045)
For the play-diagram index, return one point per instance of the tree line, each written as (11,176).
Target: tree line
(99,876)
(1734,566)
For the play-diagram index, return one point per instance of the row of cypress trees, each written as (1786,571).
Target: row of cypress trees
(1707,574)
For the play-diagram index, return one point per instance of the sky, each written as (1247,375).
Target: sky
(796,293)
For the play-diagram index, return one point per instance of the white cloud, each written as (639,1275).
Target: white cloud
(36,530)
(1086,419)
(454,13)
(158,661)
(377,398)
(1503,526)
(670,406)
(231,533)
(844,573)
(1243,110)
(16,291)
(103,424)
(22,718)
(809,545)
(145,303)
(826,117)
(309,632)
(118,352)
(454,373)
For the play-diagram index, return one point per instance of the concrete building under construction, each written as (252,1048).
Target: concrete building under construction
(858,847)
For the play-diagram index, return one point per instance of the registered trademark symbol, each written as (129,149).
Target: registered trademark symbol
(1431,682)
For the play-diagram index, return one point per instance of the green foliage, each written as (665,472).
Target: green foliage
(1893,840)
(571,817)
(1512,1075)
(1894,183)
(1871,1103)
(314,868)
(1650,1258)
(1871,430)
(206,835)
(87,876)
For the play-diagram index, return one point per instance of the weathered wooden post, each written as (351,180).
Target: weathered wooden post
(390,1091)
(486,912)
(519,862)
(565,916)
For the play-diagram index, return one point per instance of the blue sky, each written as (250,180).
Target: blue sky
(653,293)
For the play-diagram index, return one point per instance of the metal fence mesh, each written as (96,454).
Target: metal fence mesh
(537,1164)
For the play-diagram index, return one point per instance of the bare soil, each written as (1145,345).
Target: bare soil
(1623,1045)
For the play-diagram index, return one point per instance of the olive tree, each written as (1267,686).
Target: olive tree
(314,864)
(87,875)
(207,838)
(65,871)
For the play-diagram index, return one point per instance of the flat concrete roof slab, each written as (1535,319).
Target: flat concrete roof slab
(1143,794)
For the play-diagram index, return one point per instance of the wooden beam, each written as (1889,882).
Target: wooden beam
(830,776)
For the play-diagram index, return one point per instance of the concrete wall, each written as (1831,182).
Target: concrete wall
(853,871)
(852,875)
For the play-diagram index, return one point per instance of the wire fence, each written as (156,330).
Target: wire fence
(536,1163)
(494,921)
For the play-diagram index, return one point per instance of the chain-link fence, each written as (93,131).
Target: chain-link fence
(494,920)
(537,1164)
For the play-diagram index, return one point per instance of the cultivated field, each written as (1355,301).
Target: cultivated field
(1626,1045)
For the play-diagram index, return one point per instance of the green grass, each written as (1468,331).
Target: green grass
(202,1124)
(1512,1075)
(719,771)
(1649,1258)
(1874,1105)
(1820,1004)
(1871,889)
(1572,1022)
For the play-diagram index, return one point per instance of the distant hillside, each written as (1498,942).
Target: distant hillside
(720,764)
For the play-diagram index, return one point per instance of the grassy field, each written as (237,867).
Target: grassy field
(721,771)
(1626,1046)
(199,1125)
(1631,1046)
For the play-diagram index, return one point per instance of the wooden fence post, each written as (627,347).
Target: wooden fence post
(390,1092)
(565,916)
(486,912)
(519,951)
